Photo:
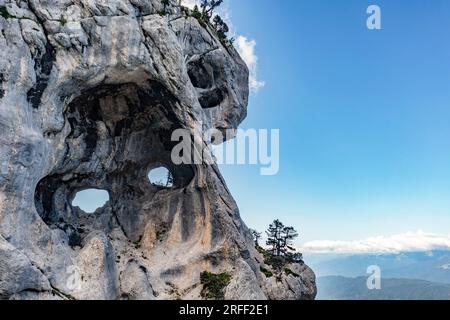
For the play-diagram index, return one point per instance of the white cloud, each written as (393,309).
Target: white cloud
(190,3)
(246,49)
(406,242)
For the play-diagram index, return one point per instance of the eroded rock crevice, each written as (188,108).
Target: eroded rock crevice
(117,134)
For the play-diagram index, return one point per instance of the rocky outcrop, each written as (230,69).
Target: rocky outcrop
(90,92)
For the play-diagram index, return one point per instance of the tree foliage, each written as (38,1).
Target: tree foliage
(256,236)
(4,13)
(221,27)
(208,7)
(280,239)
(206,16)
(214,285)
(280,251)
(196,13)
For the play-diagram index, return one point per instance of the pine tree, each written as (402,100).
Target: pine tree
(256,236)
(208,7)
(221,27)
(196,13)
(280,239)
(274,237)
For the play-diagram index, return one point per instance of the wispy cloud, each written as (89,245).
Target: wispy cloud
(245,47)
(190,3)
(406,242)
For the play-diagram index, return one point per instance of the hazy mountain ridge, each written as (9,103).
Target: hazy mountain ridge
(430,266)
(343,288)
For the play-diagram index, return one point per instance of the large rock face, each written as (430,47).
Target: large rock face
(90,93)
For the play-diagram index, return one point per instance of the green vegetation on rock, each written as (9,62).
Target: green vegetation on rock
(214,285)
(4,13)
(289,272)
(266,272)
(62,20)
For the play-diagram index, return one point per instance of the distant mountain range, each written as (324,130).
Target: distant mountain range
(431,266)
(405,276)
(342,288)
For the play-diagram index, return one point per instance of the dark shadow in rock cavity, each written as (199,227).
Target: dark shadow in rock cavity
(118,133)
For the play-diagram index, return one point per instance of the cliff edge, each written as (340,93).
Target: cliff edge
(90,93)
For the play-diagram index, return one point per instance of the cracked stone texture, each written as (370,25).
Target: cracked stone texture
(90,92)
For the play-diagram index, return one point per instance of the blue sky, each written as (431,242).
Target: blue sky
(363,116)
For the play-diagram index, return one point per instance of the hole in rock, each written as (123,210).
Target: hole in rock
(117,133)
(161,177)
(200,74)
(211,99)
(90,200)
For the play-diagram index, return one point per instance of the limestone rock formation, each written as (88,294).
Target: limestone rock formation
(90,92)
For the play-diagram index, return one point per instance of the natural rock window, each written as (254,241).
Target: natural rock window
(161,177)
(90,200)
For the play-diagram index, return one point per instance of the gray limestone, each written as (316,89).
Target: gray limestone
(90,92)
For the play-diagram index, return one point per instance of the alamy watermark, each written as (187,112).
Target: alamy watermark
(231,147)
(74,279)
(374,19)
(374,279)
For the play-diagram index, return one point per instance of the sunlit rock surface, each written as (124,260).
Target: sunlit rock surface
(90,92)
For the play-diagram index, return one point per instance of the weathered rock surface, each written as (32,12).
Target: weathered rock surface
(90,92)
